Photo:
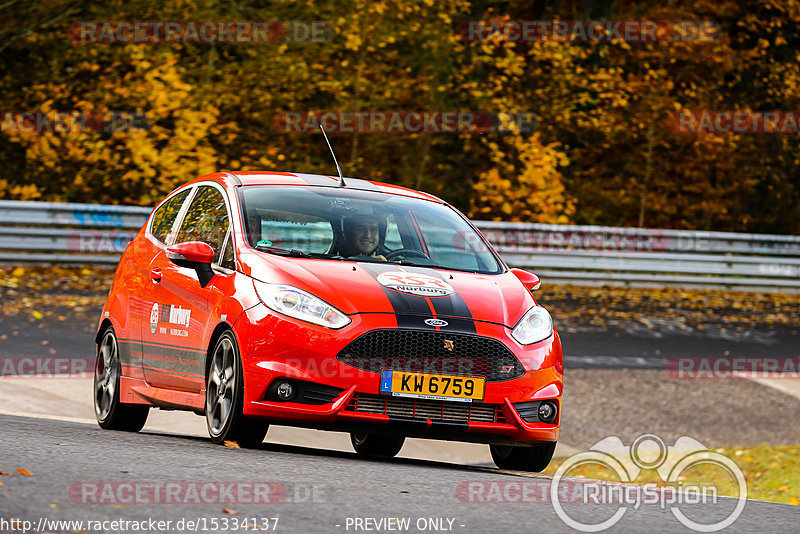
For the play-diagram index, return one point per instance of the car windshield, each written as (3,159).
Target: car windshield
(347,224)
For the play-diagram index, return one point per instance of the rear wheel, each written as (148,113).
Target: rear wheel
(110,412)
(534,458)
(377,445)
(225,398)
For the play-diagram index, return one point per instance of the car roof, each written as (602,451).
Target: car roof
(302,179)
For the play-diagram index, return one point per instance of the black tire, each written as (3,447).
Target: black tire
(377,445)
(225,398)
(534,458)
(110,412)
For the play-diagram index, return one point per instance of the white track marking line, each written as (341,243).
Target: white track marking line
(50,417)
(789,386)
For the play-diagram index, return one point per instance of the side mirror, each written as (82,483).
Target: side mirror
(528,279)
(194,255)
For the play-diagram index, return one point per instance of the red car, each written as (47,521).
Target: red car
(298,299)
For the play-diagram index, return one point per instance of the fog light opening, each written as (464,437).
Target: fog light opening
(285,390)
(547,412)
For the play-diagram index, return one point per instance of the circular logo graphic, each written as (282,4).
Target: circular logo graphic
(415,284)
(649,451)
(435,322)
(154,318)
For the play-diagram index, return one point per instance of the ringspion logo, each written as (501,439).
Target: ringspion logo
(647,452)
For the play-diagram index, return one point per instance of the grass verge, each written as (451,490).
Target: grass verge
(772,473)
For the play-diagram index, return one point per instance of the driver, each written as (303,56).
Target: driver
(362,235)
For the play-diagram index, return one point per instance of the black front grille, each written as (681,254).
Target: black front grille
(439,411)
(318,394)
(420,351)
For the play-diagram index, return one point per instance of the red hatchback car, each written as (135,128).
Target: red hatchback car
(297,299)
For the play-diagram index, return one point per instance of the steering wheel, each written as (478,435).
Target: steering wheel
(406,252)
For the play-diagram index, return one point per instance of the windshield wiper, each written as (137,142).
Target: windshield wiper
(294,253)
(432,266)
(415,264)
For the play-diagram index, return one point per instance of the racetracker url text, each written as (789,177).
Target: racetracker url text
(149,525)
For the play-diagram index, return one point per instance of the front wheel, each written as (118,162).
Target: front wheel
(377,445)
(535,458)
(225,398)
(110,412)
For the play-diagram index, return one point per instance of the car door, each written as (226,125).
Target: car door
(160,229)
(174,340)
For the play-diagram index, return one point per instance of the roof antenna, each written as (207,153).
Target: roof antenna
(341,178)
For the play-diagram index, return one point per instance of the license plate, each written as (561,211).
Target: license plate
(436,387)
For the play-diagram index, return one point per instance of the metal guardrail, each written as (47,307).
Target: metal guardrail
(88,233)
(53,232)
(645,257)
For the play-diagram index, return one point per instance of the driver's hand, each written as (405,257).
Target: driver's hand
(380,257)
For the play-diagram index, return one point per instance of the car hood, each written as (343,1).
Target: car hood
(362,287)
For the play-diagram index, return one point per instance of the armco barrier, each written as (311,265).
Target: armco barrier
(89,233)
(55,232)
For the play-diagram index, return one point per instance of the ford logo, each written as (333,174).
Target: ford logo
(436,322)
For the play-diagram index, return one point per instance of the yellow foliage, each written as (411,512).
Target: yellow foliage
(525,184)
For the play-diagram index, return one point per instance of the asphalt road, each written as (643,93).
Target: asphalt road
(318,490)
(631,346)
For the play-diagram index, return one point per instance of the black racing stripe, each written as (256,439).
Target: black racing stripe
(426,423)
(454,306)
(357,183)
(167,345)
(166,359)
(448,425)
(318,180)
(407,421)
(451,306)
(233,177)
(125,356)
(161,370)
(175,373)
(405,306)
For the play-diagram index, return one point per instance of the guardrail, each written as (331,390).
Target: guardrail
(644,257)
(87,233)
(54,232)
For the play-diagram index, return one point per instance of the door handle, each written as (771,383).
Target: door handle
(155,275)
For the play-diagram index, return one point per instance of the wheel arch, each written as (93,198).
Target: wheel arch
(220,329)
(102,328)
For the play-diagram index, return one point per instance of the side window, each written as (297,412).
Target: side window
(206,220)
(227,260)
(393,240)
(165,216)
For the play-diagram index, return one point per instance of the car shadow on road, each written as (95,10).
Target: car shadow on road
(328,453)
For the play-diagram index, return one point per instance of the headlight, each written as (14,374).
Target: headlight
(297,303)
(534,326)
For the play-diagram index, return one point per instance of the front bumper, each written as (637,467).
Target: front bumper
(277,347)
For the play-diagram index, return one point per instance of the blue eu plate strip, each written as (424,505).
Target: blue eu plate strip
(386,381)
